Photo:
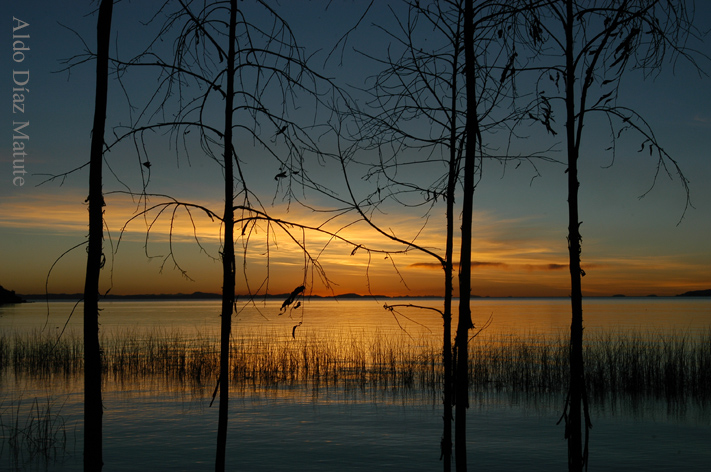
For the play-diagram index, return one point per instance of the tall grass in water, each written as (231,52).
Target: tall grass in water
(32,433)
(41,354)
(131,355)
(519,364)
(672,367)
(664,365)
(349,360)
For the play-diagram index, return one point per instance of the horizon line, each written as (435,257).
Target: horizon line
(212,295)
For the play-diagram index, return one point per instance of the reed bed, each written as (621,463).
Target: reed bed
(40,354)
(350,360)
(519,364)
(131,355)
(32,431)
(664,365)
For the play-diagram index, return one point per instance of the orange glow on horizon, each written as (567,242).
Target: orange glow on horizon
(274,257)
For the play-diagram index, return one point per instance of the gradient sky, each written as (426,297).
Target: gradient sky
(631,245)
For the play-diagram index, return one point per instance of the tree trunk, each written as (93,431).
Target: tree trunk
(465,318)
(573,425)
(446,446)
(93,456)
(228,252)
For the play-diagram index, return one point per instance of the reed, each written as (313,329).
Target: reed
(521,364)
(664,365)
(32,432)
(347,359)
(673,366)
(130,355)
(41,354)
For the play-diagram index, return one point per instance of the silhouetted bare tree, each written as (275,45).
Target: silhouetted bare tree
(429,108)
(583,49)
(228,58)
(400,94)
(93,408)
(246,63)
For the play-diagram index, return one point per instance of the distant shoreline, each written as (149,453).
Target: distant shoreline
(345,296)
(210,296)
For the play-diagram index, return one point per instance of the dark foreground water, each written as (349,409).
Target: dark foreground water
(151,426)
(293,432)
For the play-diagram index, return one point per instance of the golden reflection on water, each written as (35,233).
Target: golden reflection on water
(511,316)
(345,350)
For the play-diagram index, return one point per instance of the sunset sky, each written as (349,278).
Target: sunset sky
(633,246)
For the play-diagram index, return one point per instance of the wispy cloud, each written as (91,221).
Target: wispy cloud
(507,260)
(546,267)
(704,120)
(494,265)
(66,212)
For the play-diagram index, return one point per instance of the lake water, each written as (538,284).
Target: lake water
(509,316)
(291,427)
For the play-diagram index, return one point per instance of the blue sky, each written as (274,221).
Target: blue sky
(631,245)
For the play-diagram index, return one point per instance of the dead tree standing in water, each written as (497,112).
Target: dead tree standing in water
(93,408)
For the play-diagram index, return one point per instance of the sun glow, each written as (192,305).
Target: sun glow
(166,246)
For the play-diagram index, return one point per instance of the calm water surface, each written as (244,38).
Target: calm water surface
(147,427)
(508,316)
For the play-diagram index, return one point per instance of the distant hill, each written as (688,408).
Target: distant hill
(355,295)
(9,296)
(696,293)
(200,296)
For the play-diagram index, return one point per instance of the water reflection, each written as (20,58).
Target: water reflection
(355,392)
(364,428)
(510,316)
